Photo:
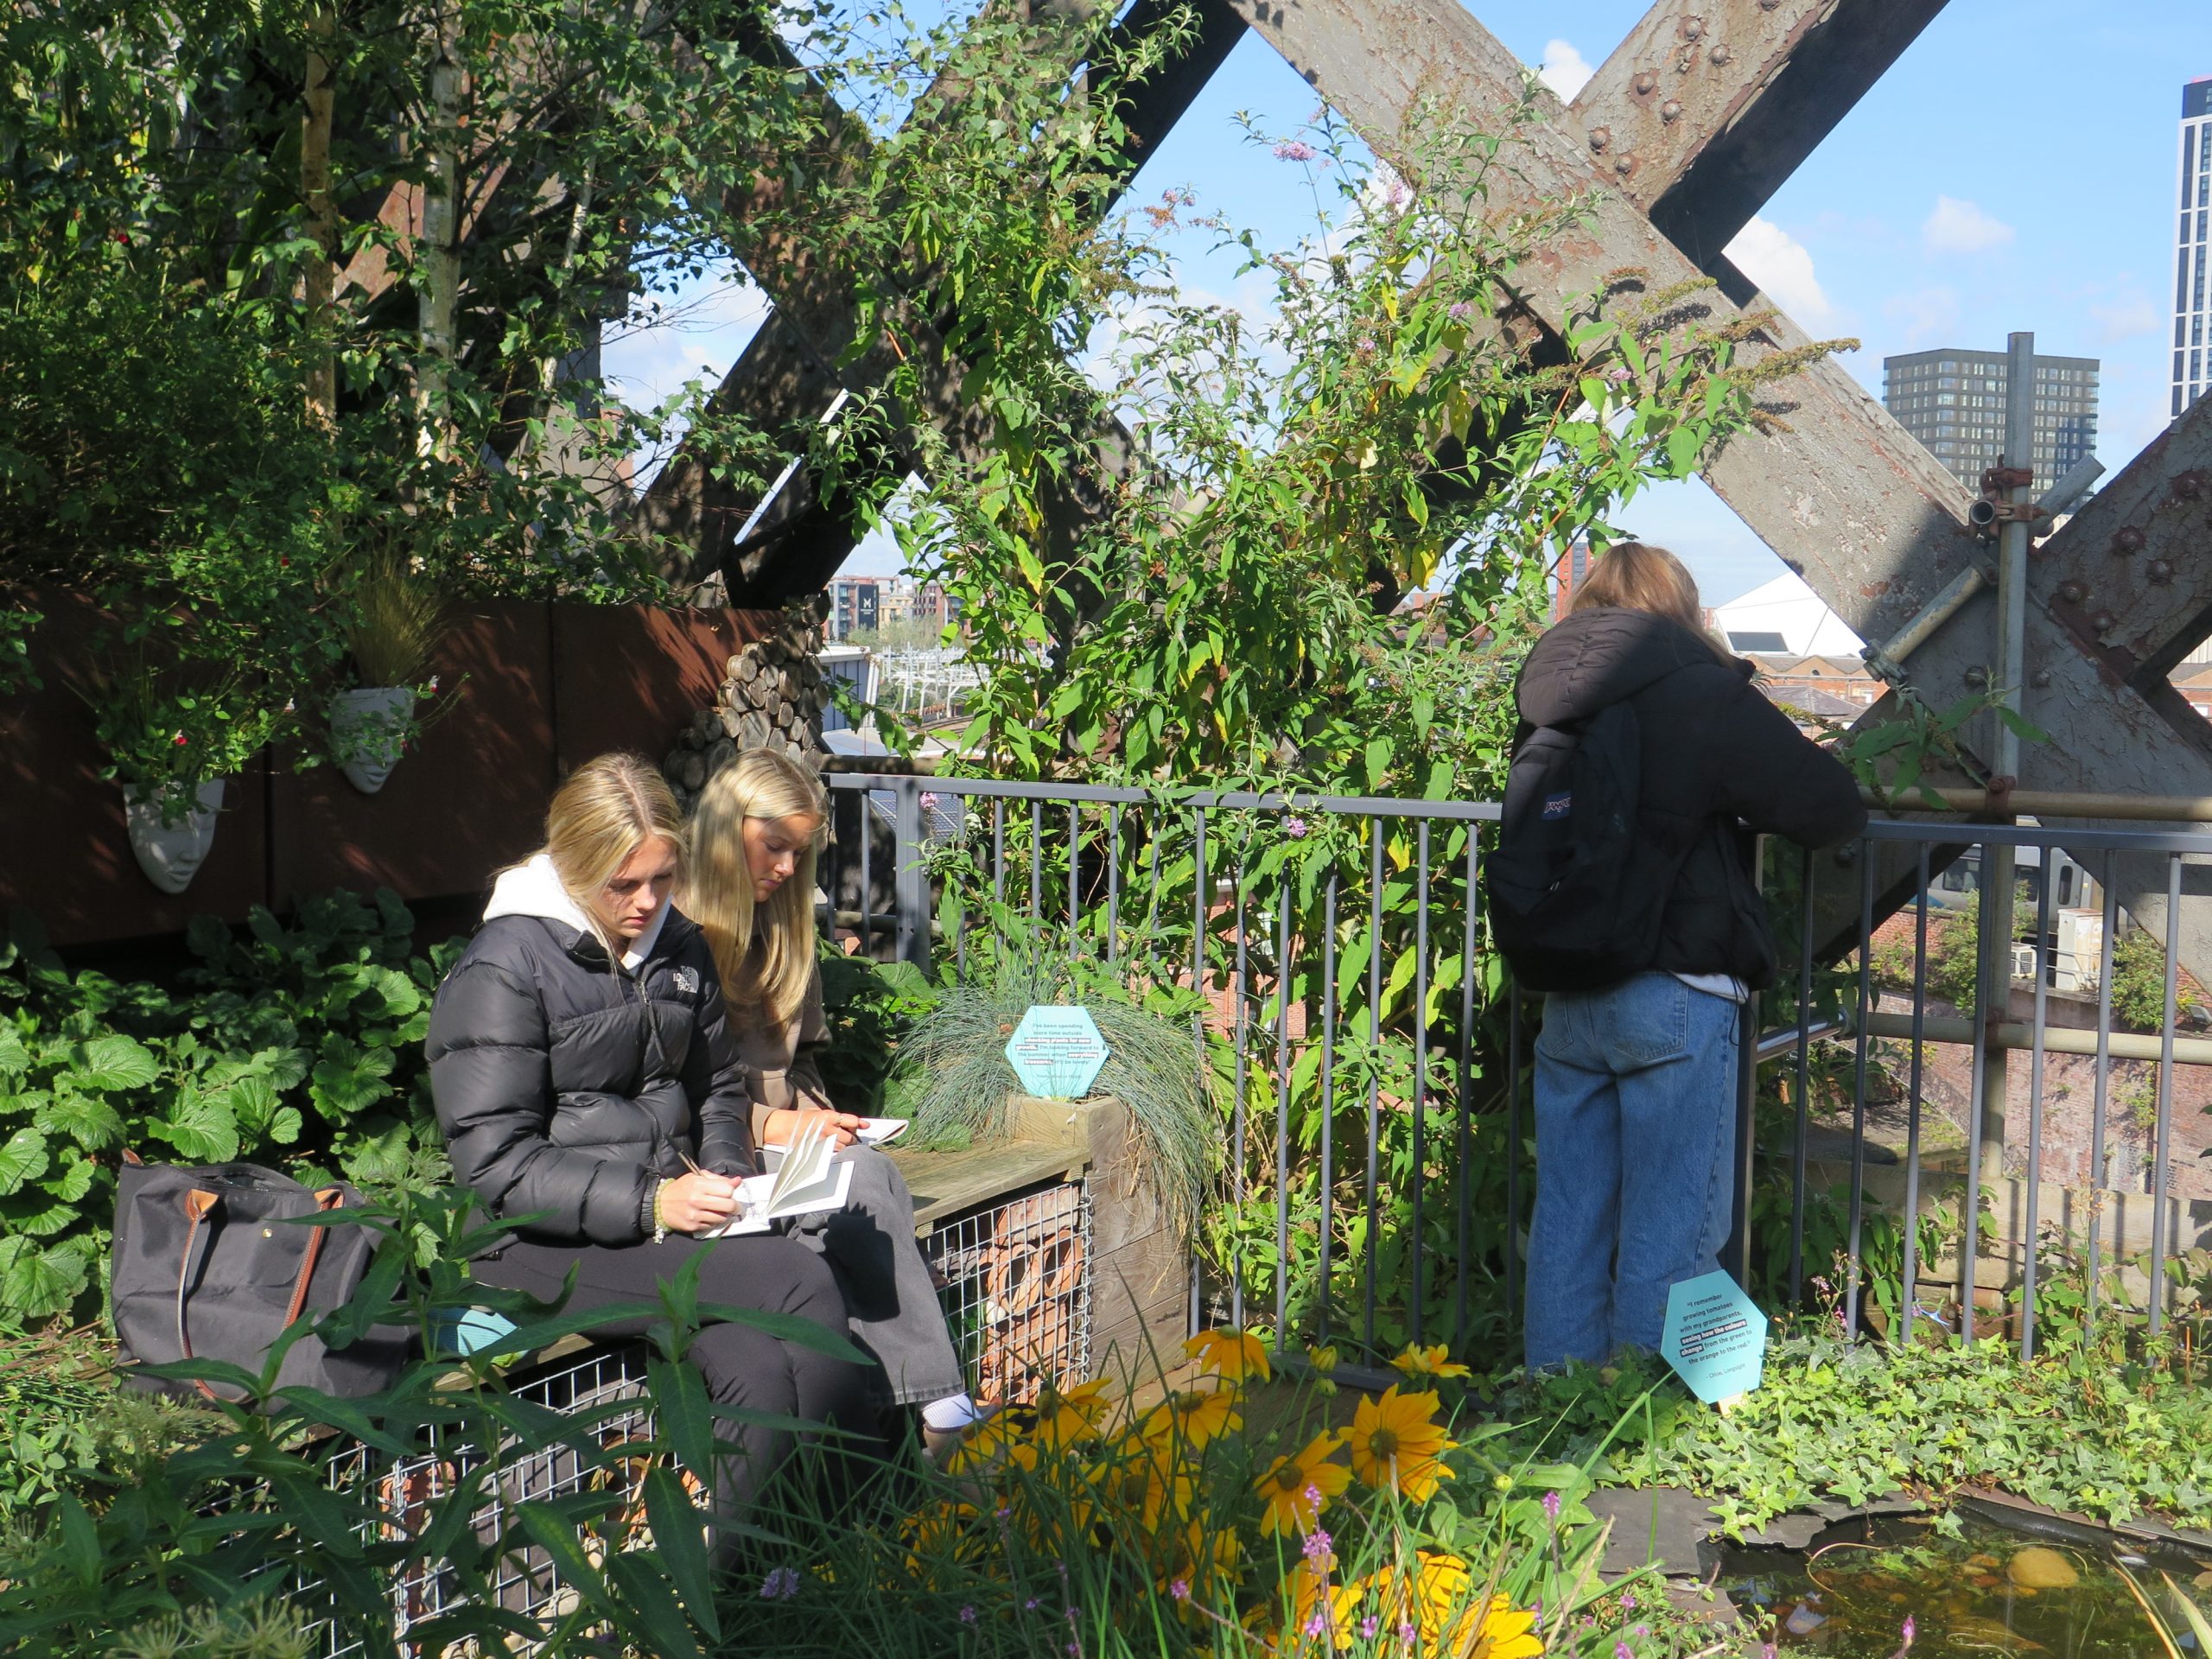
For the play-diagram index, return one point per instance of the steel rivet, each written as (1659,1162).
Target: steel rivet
(1670,111)
(2160,570)
(1625,164)
(1720,54)
(2040,679)
(1977,677)
(1600,136)
(2103,621)
(2190,486)
(2127,541)
(1693,28)
(1768,5)
(2073,592)
(1645,82)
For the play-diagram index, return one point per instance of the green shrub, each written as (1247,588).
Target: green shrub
(299,1046)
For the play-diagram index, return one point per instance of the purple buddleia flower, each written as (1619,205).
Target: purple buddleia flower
(1551,1507)
(1293,150)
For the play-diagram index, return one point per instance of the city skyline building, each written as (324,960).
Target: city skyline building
(1952,399)
(2192,373)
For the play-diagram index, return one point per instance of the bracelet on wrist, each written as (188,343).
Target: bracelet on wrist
(660,1219)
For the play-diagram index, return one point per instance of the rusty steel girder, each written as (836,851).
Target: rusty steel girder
(789,376)
(1844,492)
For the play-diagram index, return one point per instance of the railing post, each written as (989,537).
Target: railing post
(1736,1256)
(913,890)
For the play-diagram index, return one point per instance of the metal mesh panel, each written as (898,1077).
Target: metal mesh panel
(526,1581)
(1018,1292)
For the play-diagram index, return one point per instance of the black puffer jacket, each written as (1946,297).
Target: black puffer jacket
(1719,763)
(567,1086)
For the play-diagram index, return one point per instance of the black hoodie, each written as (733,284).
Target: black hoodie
(1719,763)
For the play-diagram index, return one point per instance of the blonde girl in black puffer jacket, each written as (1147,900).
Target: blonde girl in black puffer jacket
(572,1049)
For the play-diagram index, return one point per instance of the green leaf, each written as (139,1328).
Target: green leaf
(685,1414)
(37,1282)
(200,1128)
(680,1536)
(15,1059)
(23,1158)
(252,1104)
(1377,757)
(86,1119)
(1681,450)
(652,1599)
(115,1062)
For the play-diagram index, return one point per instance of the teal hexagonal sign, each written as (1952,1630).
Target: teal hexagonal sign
(1057,1052)
(1715,1336)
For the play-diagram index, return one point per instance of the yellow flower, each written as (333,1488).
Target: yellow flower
(944,1533)
(1396,1443)
(1199,1562)
(1232,1356)
(1418,1362)
(1311,1590)
(1434,1599)
(1144,1484)
(1064,1418)
(992,1448)
(1324,1364)
(1299,1486)
(1507,1633)
(1193,1420)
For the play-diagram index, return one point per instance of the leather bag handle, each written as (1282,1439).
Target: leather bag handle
(198,1203)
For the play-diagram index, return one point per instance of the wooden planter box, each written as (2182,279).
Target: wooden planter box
(1135,1271)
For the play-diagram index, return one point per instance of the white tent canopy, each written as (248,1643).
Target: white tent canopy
(1784,618)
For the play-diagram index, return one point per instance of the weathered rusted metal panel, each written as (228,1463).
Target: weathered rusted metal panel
(1844,495)
(1709,105)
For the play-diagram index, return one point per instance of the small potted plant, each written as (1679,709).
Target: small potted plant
(397,618)
(174,738)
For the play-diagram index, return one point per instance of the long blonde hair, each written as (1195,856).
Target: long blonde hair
(608,808)
(1637,577)
(763,968)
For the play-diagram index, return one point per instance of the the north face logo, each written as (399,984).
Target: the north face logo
(687,981)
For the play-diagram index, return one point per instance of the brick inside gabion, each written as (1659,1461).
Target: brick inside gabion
(771,695)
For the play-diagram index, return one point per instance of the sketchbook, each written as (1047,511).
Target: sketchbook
(808,1177)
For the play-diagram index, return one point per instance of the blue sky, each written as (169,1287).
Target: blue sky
(2015,170)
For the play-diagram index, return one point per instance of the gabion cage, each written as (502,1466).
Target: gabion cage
(1018,1291)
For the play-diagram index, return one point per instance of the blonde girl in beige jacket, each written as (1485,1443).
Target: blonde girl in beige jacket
(750,886)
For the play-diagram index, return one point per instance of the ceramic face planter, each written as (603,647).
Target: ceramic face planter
(171,853)
(368,728)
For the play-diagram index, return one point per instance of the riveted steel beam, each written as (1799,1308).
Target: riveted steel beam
(1708,106)
(790,379)
(1843,495)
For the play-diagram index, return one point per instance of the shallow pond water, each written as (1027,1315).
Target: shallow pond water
(1991,1590)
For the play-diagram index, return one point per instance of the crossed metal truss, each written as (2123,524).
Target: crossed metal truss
(1686,132)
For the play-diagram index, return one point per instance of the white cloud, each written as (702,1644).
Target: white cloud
(1564,69)
(1959,226)
(1925,315)
(2125,318)
(1782,267)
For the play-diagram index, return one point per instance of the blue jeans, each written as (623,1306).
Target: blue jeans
(1636,1118)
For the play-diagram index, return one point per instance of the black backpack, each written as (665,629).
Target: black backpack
(212,1263)
(1577,893)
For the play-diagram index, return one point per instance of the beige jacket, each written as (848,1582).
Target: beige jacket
(780,1064)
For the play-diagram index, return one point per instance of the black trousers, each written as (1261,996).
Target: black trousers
(743,1367)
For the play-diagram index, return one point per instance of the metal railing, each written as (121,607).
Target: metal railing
(1373,1066)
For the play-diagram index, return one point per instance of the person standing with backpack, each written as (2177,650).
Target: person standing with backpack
(1624,891)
